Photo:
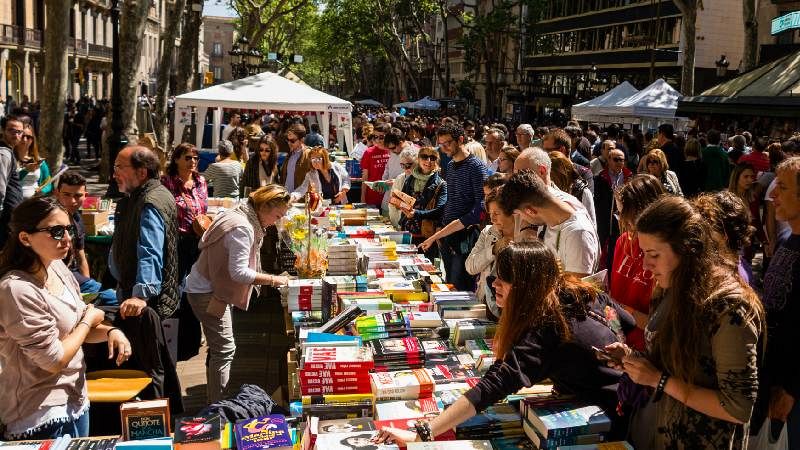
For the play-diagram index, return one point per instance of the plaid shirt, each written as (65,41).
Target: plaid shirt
(190,202)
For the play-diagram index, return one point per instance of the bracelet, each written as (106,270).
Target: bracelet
(423,429)
(108,334)
(662,382)
(85,323)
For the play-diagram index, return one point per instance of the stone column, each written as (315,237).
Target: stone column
(101,92)
(3,62)
(26,75)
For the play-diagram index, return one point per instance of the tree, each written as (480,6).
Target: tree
(750,54)
(165,65)
(131,32)
(688,9)
(259,17)
(185,80)
(56,78)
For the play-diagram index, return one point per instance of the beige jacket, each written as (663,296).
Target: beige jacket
(32,324)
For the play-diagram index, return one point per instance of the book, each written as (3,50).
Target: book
(473,444)
(266,432)
(436,347)
(351,441)
(567,419)
(478,347)
(408,348)
(343,319)
(341,425)
(345,410)
(145,419)
(424,319)
(334,389)
(402,384)
(162,443)
(409,424)
(443,374)
(559,442)
(335,398)
(407,409)
(198,433)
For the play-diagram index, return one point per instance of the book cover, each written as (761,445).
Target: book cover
(402,384)
(559,442)
(424,319)
(404,409)
(356,380)
(479,347)
(341,425)
(198,433)
(335,389)
(337,358)
(568,419)
(266,432)
(433,347)
(351,441)
(145,419)
(407,347)
(442,374)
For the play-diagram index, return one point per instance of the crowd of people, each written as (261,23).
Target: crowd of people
(695,238)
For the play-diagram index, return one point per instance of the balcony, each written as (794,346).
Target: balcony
(99,51)
(77,46)
(9,34)
(33,38)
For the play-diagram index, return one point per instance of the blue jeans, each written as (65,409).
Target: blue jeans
(106,297)
(74,428)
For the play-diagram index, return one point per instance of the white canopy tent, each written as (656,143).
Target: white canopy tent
(582,111)
(264,91)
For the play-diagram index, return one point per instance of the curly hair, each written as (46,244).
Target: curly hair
(729,219)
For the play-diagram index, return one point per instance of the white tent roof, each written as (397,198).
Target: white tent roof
(368,102)
(264,91)
(596,105)
(659,100)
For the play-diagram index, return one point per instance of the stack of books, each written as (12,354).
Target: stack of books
(369,302)
(337,406)
(552,423)
(380,254)
(336,370)
(402,384)
(403,289)
(331,285)
(458,305)
(397,353)
(342,257)
(304,295)
(481,351)
(463,330)
(382,326)
(496,421)
(443,374)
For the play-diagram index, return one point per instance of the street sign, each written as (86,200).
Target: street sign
(786,22)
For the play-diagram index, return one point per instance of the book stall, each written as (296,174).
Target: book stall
(380,341)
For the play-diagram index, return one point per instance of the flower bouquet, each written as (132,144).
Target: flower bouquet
(308,243)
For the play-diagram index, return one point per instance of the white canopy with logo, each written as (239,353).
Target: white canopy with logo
(264,91)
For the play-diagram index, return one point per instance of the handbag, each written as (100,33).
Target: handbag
(428,226)
(201,222)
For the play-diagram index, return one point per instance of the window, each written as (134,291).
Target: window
(217,50)
(217,74)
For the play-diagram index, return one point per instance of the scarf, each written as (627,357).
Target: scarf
(420,179)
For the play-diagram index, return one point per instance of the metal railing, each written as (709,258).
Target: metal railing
(9,34)
(33,38)
(100,51)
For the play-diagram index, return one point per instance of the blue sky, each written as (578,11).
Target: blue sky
(218,8)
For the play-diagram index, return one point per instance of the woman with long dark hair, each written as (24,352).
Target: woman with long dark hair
(547,329)
(33,170)
(700,362)
(262,167)
(43,323)
(743,184)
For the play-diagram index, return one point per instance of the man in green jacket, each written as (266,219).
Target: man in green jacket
(716,164)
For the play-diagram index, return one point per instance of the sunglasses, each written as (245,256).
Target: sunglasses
(429,157)
(57,231)
(316,160)
(191,158)
(406,165)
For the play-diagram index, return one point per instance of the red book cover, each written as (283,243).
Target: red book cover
(337,358)
(342,381)
(319,390)
(305,373)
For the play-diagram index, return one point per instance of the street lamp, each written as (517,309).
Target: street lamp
(722,66)
(245,61)
(117,140)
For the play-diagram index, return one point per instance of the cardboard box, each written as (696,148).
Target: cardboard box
(93,221)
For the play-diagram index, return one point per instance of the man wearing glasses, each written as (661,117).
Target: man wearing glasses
(495,141)
(296,165)
(144,261)
(10,188)
(373,164)
(606,183)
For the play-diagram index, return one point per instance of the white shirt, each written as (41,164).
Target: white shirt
(392,170)
(575,243)
(238,241)
(226,132)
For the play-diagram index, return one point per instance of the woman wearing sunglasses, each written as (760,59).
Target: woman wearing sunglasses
(43,323)
(262,167)
(33,172)
(429,188)
(329,179)
(408,159)
(655,163)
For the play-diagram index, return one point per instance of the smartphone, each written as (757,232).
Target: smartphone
(604,355)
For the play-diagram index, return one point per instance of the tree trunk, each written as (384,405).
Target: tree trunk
(131,35)
(446,44)
(165,65)
(56,82)
(184,80)
(688,31)
(750,54)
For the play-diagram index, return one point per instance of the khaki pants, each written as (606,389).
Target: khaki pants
(221,347)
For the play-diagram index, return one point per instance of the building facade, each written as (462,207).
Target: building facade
(581,48)
(219,36)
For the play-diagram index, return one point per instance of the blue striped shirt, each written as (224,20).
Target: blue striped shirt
(464,191)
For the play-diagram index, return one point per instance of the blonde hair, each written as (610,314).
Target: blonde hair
(656,153)
(477,149)
(271,195)
(326,161)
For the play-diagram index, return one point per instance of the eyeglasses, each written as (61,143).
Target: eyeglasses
(447,143)
(406,165)
(429,157)
(191,158)
(57,231)
(654,161)
(619,159)
(316,160)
